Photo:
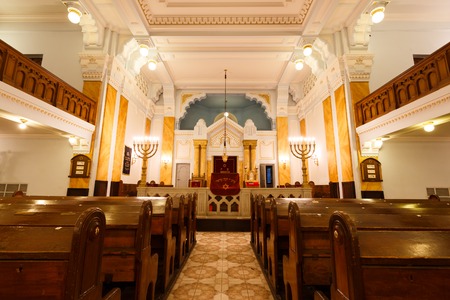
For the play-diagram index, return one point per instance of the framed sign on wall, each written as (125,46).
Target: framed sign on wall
(371,170)
(80,166)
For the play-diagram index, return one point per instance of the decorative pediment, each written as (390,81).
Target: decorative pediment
(235,135)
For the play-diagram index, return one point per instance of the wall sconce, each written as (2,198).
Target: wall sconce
(429,127)
(283,162)
(377,11)
(23,124)
(165,161)
(315,159)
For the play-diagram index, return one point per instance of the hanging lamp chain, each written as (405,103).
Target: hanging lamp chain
(224,113)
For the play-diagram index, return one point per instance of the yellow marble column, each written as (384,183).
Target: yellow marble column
(329,140)
(284,173)
(106,134)
(148,125)
(249,159)
(91,89)
(344,137)
(120,140)
(200,157)
(358,91)
(167,149)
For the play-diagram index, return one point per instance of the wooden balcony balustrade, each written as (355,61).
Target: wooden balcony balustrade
(426,77)
(24,74)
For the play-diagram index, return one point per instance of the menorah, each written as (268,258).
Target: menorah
(303,148)
(144,147)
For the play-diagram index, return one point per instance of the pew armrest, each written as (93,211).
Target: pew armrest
(114,294)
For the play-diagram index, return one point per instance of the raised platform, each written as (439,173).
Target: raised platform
(228,224)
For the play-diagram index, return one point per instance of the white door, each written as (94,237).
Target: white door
(182,179)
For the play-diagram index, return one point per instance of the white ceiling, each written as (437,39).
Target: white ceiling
(197,39)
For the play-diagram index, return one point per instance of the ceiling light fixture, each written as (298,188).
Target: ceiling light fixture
(23,124)
(429,127)
(377,12)
(225,115)
(152,64)
(143,50)
(73,141)
(307,50)
(74,15)
(299,64)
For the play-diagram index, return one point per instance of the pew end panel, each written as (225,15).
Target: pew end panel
(60,262)
(163,242)
(388,264)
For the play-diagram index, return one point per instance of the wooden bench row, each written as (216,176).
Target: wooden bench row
(296,257)
(139,242)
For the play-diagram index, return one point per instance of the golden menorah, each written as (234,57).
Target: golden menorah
(303,148)
(144,147)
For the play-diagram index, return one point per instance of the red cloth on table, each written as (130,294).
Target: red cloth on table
(225,184)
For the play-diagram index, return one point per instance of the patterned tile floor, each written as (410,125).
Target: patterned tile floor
(222,266)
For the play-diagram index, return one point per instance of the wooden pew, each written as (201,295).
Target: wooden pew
(315,241)
(191,220)
(381,263)
(163,242)
(179,229)
(45,259)
(127,253)
(263,228)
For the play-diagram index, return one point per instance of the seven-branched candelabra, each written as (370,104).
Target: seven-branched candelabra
(303,148)
(144,147)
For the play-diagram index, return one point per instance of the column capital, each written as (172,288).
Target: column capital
(200,143)
(247,143)
(93,65)
(358,66)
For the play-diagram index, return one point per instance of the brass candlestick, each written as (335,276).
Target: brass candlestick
(145,147)
(303,148)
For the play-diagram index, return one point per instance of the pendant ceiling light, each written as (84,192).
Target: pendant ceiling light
(225,114)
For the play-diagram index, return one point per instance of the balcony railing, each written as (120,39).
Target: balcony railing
(29,77)
(424,78)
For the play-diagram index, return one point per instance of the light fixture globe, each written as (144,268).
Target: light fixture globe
(299,64)
(377,14)
(152,64)
(74,15)
(143,50)
(307,50)
(428,127)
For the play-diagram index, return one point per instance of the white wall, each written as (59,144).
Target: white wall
(60,51)
(394,51)
(316,128)
(408,168)
(42,163)
(135,127)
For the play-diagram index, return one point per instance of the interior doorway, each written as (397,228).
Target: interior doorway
(183,174)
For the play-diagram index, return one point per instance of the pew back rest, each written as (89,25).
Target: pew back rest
(364,257)
(76,249)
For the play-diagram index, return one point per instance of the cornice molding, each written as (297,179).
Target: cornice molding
(152,20)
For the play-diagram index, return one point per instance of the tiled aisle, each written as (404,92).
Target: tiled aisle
(222,266)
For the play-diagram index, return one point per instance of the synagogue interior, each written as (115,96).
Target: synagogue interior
(222,107)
